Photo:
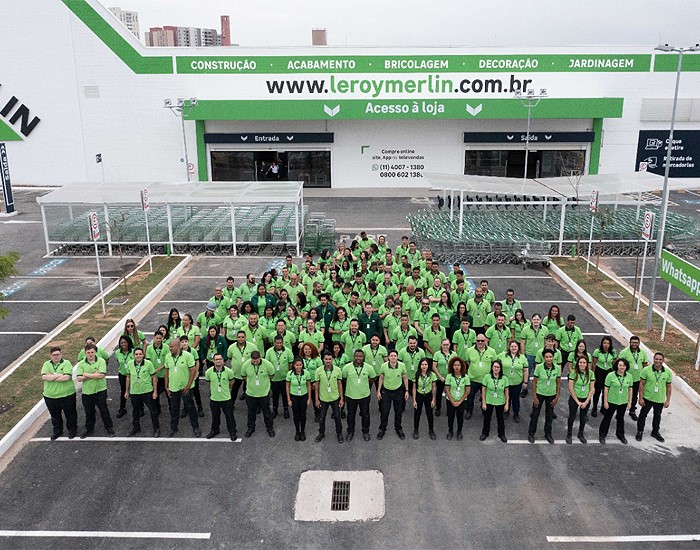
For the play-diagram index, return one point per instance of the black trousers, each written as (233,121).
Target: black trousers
(475,389)
(656,421)
(235,390)
(335,405)
(619,412)
(583,416)
(160,386)
(353,405)
(439,390)
(600,375)
(138,400)
(122,391)
(188,401)
(195,393)
(390,397)
(453,411)
(278,390)
(253,403)
(499,420)
(98,400)
(545,400)
(217,407)
(635,396)
(299,412)
(59,406)
(423,400)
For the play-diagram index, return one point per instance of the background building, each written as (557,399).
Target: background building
(130,19)
(319,37)
(159,37)
(225,30)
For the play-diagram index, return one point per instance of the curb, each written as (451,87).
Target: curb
(28,419)
(678,382)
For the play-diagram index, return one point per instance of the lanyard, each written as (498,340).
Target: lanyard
(621,381)
(358,372)
(138,370)
(549,373)
(56,367)
(328,374)
(278,354)
(159,352)
(426,383)
(219,374)
(657,375)
(299,378)
(374,354)
(636,356)
(458,381)
(495,383)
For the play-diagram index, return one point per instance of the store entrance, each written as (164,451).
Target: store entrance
(311,167)
(511,163)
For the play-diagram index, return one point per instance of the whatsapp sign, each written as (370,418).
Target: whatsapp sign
(681,274)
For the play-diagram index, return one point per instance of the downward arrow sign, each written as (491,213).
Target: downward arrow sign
(509,137)
(547,137)
(331,111)
(290,138)
(474,110)
(244,138)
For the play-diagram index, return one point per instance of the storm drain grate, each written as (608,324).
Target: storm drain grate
(118,301)
(340,498)
(612,295)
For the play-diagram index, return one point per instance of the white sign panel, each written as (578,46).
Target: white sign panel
(594,201)
(145,204)
(648,225)
(94,225)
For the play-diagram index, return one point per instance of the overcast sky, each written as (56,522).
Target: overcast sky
(437,23)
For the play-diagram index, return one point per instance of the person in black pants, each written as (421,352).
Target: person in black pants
(581,389)
(616,399)
(654,392)
(424,389)
(258,373)
(59,393)
(298,396)
(546,385)
(199,363)
(457,388)
(141,384)
(357,378)
(392,389)
(495,395)
(220,380)
(328,390)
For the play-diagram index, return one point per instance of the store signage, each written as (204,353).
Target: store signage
(648,225)
(5,177)
(652,147)
(13,111)
(287,138)
(681,274)
(522,137)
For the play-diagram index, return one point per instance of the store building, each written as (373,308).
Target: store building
(338,116)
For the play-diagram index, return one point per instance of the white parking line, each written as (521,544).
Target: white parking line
(560,442)
(630,538)
(45,301)
(138,439)
(548,302)
(21,333)
(105,534)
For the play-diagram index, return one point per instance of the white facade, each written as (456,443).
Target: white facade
(98,103)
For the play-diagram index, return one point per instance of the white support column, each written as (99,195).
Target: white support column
(452,204)
(233,230)
(109,230)
(170,228)
(561,225)
(46,229)
(461,212)
(639,204)
(544,215)
(296,228)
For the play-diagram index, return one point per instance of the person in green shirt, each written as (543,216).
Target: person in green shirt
(142,388)
(480,357)
(440,362)
(189,329)
(92,371)
(199,365)
(353,340)
(546,385)
(156,352)
(238,354)
(580,351)
(400,335)
(340,324)
(616,399)
(495,395)
(603,358)
(258,373)
(312,362)
(478,308)
(392,389)
(328,383)
(210,345)
(553,320)
(220,380)
(654,393)
(311,334)
(375,353)
(532,339)
(410,356)
(100,352)
(298,396)
(231,324)
(581,389)
(638,360)
(498,335)
(59,393)
(516,369)
(510,305)
(464,338)
(517,326)
(460,295)
(123,354)
(255,333)
(262,299)
(457,390)
(180,374)
(210,317)
(433,336)
(424,390)
(358,377)
(247,289)
(567,336)
(281,358)
(137,337)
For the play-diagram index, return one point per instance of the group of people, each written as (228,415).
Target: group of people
(362,321)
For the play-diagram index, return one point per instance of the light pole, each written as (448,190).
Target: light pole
(667,167)
(181,108)
(529,99)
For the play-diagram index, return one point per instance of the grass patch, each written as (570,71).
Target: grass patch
(677,347)
(23,388)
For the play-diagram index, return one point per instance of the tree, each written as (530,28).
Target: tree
(605,218)
(7,269)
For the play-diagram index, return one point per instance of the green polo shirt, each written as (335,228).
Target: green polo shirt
(357,385)
(179,370)
(257,377)
(100,353)
(568,338)
(514,367)
(495,389)
(238,356)
(423,318)
(310,366)
(458,386)
(280,360)
(232,326)
(498,339)
(434,338)
(618,388)
(424,384)
(547,379)
(480,362)
(518,329)
(352,343)
(140,381)
(297,382)
(441,360)
(636,361)
(56,390)
(557,360)
(400,337)
(463,342)
(256,337)
(288,338)
(478,311)
(509,310)
(316,337)
(605,360)
(411,360)
(157,357)
(375,357)
(328,383)
(393,377)
(582,383)
(655,383)
(122,360)
(534,339)
(191,333)
(220,383)
(93,385)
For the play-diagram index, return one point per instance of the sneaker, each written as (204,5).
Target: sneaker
(302,437)
(234,436)
(319,438)
(602,440)
(110,432)
(197,433)
(133,432)
(349,436)
(634,416)
(71,436)
(622,439)
(549,439)
(531,438)
(297,436)
(657,436)
(249,433)
(459,436)
(171,433)
(380,435)
(569,439)
(211,435)
(86,433)
(432,435)
(438,412)
(483,437)
(594,413)
(156,433)
(271,432)
(54,437)
(121,413)
(582,439)
(449,436)
(516,418)
(366,437)
(401,434)
(340,438)
(415,435)
(286,413)
(639,436)
(503,438)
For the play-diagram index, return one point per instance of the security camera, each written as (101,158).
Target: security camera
(167,103)
(193,102)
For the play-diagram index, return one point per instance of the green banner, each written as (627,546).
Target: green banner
(360,109)
(681,274)
(669,63)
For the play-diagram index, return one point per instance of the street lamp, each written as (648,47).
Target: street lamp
(667,167)
(529,99)
(181,108)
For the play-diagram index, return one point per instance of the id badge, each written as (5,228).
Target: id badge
(219,388)
(621,389)
(481,364)
(495,394)
(299,390)
(257,382)
(656,389)
(512,372)
(359,380)
(277,368)
(549,382)
(457,392)
(329,389)
(636,366)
